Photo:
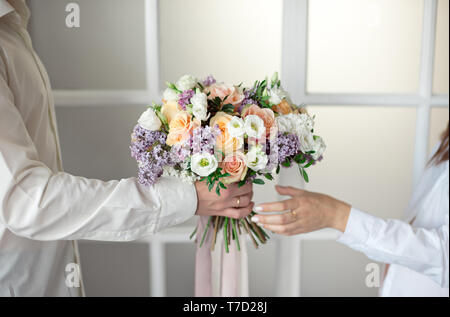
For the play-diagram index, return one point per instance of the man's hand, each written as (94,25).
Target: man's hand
(303,213)
(233,202)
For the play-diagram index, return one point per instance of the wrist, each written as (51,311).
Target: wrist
(339,215)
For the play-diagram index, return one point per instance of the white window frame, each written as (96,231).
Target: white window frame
(294,72)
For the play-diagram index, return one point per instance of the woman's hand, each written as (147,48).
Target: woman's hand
(234,202)
(304,212)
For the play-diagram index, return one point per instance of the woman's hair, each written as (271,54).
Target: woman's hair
(441,154)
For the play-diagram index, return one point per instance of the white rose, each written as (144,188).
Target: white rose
(203,164)
(306,139)
(170,95)
(186,82)
(150,121)
(277,95)
(254,126)
(257,159)
(319,147)
(305,121)
(285,123)
(236,127)
(200,106)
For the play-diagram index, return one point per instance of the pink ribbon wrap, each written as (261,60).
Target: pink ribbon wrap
(217,273)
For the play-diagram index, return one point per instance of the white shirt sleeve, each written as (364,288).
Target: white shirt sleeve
(425,251)
(39,204)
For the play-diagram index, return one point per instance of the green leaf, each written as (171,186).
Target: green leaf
(258,181)
(241,183)
(278,169)
(218,190)
(268,176)
(229,108)
(299,158)
(286,163)
(309,164)
(222,185)
(304,174)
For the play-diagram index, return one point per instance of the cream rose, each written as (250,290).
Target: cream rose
(225,142)
(235,165)
(170,109)
(283,107)
(181,127)
(233,94)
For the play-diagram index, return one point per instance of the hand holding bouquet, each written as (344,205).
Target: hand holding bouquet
(222,134)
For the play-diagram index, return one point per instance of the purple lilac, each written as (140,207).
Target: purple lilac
(210,80)
(248,99)
(288,146)
(185,98)
(148,148)
(204,139)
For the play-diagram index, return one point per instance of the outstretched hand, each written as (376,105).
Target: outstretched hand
(303,213)
(234,202)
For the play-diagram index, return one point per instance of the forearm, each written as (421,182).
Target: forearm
(45,206)
(395,242)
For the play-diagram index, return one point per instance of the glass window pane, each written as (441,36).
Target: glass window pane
(358,46)
(369,157)
(441,74)
(109,127)
(106,52)
(235,40)
(438,124)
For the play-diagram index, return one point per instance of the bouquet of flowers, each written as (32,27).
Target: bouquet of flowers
(221,134)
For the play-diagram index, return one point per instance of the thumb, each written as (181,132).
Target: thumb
(288,190)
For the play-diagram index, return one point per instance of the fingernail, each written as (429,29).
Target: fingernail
(254,219)
(258,208)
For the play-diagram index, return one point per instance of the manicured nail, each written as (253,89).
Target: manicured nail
(258,208)
(255,219)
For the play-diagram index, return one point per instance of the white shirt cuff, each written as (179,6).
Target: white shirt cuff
(359,227)
(178,202)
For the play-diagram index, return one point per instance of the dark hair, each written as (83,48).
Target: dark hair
(441,154)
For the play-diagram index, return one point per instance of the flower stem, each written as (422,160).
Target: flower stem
(233,222)
(216,229)
(246,227)
(205,232)
(225,233)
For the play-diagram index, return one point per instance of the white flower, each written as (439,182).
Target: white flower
(150,121)
(306,139)
(200,106)
(236,127)
(277,95)
(254,126)
(256,158)
(319,147)
(295,123)
(170,95)
(285,123)
(186,82)
(305,121)
(203,164)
